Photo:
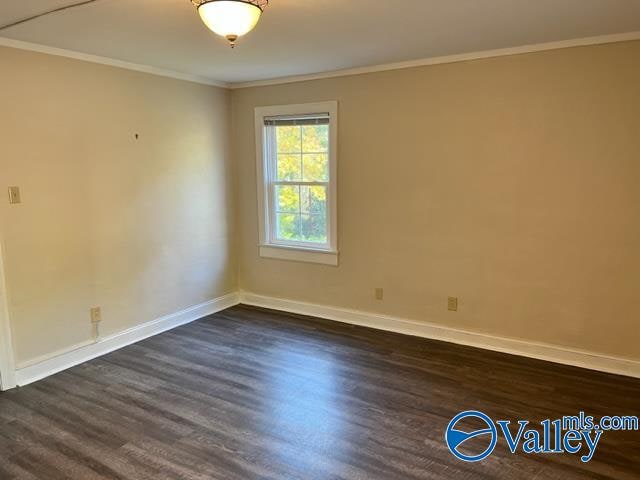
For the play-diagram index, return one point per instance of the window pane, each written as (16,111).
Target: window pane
(297,177)
(315,138)
(288,226)
(288,139)
(313,199)
(288,198)
(315,167)
(314,228)
(289,167)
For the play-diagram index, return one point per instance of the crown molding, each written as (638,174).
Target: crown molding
(463,57)
(85,57)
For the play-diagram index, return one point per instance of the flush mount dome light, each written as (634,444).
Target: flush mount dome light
(230,18)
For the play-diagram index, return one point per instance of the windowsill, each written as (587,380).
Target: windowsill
(300,254)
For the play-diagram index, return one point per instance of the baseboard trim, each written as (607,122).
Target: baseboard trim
(540,351)
(49,365)
(45,366)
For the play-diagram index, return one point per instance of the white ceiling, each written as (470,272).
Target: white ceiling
(298,37)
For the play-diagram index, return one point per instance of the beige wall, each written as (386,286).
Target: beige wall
(512,183)
(142,228)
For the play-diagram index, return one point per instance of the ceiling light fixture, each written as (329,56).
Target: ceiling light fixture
(230,18)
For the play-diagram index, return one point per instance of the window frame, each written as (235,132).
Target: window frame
(269,246)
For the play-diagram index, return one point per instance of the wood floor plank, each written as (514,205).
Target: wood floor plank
(256,394)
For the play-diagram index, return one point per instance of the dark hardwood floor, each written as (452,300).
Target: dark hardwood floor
(255,394)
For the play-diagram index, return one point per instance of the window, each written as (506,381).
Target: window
(296,155)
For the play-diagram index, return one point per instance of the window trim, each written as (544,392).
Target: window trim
(299,251)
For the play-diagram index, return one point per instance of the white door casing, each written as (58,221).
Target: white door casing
(7,362)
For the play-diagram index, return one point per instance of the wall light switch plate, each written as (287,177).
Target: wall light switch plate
(14,195)
(452,304)
(379,293)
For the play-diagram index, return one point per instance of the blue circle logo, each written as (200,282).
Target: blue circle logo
(456,438)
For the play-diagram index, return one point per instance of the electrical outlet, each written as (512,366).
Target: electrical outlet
(452,304)
(14,195)
(96,315)
(379,293)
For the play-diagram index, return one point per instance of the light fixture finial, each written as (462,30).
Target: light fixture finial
(232,40)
